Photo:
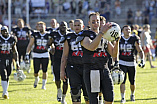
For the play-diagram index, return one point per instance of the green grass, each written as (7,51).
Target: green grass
(24,93)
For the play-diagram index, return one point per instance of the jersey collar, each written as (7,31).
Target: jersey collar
(5,38)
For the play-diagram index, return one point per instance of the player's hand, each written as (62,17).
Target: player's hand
(142,64)
(27,57)
(105,27)
(63,76)
(51,50)
(116,65)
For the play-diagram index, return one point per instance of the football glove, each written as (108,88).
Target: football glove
(142,64)
(27,57)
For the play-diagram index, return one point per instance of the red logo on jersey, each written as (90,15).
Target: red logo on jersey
(41,47)
(22,38)
(77,53)
(59,48)
(5,52)
(126,53)
(100,54)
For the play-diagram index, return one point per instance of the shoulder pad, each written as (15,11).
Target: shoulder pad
(62,40)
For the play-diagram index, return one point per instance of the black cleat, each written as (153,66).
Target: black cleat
(132,98)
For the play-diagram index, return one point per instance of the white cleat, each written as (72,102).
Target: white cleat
(43,87)
(5,96)
(59,95)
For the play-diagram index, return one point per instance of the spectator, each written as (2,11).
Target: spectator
(80,4)
(90,11)
(129,17)
(47,5)
(30,7)
(117,7)
(6,22)
(73,6)
(85,6)
(96,6)
(156,8)
(18,5)
(59,6)
(151,13)
(66,6)
(138,16)
(156,42)
(145,16)
(107,12)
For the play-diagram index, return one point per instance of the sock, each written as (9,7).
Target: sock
(37,78)
(44,82)
(4,86)
(123,95)
(132,93)
(52,68)
(63,97)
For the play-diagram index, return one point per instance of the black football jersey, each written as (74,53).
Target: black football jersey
(58,46)
(49,29)
(98,57)
(40,42)
(127,48)
(22,36)
(6,46)
(75,50)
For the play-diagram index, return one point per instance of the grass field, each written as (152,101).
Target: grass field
(24,93)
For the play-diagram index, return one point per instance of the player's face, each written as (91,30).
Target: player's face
(53,23)
(71,25)
(63,27)
(20,24)
(78,26)
(41,27)
(127,31)
(94,22)
(4,33)
(102,23)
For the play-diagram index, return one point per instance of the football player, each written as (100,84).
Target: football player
(8,50)
(23,35)
(72,62)
(55,38)
(53,27)
(127,62)
(96,73)
(40,53)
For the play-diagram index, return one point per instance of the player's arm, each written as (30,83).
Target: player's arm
(113,50)
(15,55)
(64,60)
(93,44)
(31,42)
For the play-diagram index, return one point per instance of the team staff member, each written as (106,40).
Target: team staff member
(72,62)
(7,52)
(96,74)
(127,62)
(55,38)
(40,53)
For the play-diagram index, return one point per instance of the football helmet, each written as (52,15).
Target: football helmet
(117,76)
(19,75)
(113,33)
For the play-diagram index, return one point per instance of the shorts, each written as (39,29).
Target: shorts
(131,70)
(75,75)
(43,61)
(106,85)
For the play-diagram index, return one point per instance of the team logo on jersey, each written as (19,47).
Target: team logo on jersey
(77,53)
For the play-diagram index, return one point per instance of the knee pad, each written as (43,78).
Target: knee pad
(76,95)
(86,98)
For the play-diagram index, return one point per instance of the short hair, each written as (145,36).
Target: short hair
(78,20)
(71,21)
(20,19)
(95,13)
(146,26)
(102,18)
(41,22)
(124,27)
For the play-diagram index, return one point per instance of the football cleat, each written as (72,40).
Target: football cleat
(63,102)
(59,95)
(5,96)
(36,82)
(132,97)
(123,101)
(43,87)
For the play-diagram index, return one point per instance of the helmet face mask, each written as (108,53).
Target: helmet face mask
(19,76)
(117,76)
